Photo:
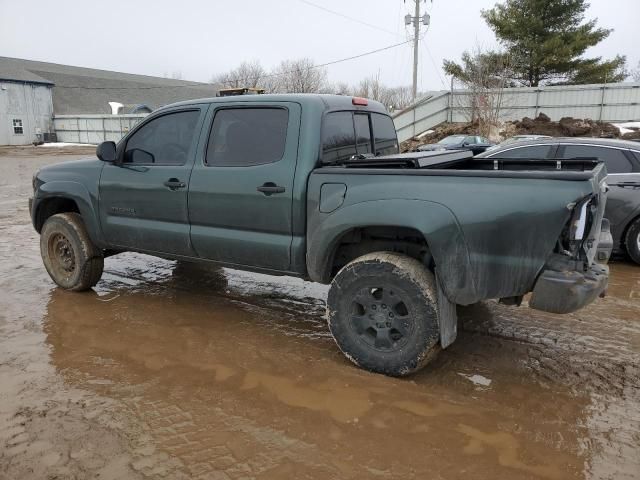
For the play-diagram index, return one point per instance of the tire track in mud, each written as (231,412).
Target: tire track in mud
(47,429)
(593,352)
(586,350)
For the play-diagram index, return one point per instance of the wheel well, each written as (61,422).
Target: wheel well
(363,240)
(51,206)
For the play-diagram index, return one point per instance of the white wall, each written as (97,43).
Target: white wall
(94,128)
(617,102)
(31,103)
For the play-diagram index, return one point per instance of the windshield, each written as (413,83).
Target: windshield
(453,139)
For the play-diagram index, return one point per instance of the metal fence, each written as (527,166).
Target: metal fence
(618,102)
(94,128)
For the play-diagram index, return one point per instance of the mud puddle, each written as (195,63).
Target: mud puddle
(170,370)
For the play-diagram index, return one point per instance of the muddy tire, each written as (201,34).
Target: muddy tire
(382,313)
(71,259)
(632,241)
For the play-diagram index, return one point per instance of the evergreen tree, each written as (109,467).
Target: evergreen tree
(546,41)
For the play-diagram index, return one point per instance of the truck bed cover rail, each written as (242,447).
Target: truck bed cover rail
(463,160)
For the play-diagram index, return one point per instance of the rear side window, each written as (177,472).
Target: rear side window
(165,140)
(615,159)
(384,134)
(534,151)
(242,137)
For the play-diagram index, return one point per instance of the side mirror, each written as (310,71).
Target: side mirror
(106,151)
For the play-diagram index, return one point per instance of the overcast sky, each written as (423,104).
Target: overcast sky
(200,38)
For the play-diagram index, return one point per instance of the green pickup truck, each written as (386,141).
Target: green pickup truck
(313,186)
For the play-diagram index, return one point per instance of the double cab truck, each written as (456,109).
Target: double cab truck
(313,186)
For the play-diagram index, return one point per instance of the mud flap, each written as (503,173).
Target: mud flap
(448,317)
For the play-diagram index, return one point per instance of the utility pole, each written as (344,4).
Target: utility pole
(416,20)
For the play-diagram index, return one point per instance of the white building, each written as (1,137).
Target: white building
(81,99)
(26,107)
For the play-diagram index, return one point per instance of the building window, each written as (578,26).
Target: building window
(17,127)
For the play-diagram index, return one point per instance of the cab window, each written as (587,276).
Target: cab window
(165,140)
(243,137)
(384,134)
(345,134)
(338,137)
(363,133)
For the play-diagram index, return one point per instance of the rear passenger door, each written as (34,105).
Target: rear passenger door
(240,194)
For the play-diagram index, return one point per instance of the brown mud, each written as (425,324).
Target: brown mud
(169,370)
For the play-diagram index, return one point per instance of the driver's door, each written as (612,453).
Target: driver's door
(143,196)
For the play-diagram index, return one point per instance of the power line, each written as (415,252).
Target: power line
(433,62)
(363,54)
(204,85)
(361,22)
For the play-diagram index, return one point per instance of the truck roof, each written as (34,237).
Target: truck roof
(324,101)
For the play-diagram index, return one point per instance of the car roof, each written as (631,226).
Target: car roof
(325,101)
(604,142)
(531,135)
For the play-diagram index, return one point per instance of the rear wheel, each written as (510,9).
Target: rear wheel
(382,313)
(71,259)
(632,240)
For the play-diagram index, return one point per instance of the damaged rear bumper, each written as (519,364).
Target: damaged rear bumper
(569,290)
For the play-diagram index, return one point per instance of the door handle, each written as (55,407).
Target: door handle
(174,184)
(269,188)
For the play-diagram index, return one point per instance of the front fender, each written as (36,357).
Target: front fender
(87,205)
(435,221)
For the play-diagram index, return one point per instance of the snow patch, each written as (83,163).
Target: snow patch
(65,144)
(477,379)
(627,127)
(424,134)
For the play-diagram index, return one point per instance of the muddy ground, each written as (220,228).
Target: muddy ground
(166,371)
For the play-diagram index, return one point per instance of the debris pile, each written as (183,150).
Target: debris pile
(541,125)
(565,127)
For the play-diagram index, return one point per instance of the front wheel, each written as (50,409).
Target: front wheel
(382,313)
(68,254)
(632,241)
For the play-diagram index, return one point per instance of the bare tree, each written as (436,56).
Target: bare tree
(248,74)
(635,73)
(302,76)
(484,75)
(401,97)
(299,76)
(393,98)
(341,88)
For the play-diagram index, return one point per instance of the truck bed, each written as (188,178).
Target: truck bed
(491,226)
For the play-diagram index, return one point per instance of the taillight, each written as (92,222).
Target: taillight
(363,102)
(579,225)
